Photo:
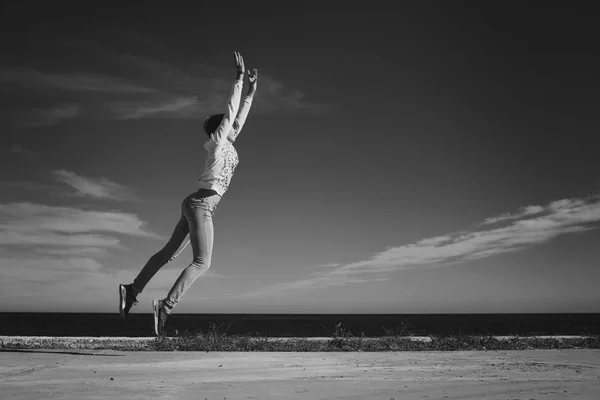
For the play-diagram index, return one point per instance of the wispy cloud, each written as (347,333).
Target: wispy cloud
(212,97)
(187,107)
(37,224)
(47,251)
(19,149)
(276,96)
(41,282)
(332,265)
(73,252)
(101,188)
(138,87)
(46,238)
(46,269)
(50,116)
(192,91)
(529,227)
(73,81)
(522,213)
(37,283)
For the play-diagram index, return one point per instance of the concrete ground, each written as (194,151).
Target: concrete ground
(90,374)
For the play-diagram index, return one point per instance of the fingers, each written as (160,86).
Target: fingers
(239,63)
(239,60)
(252,73)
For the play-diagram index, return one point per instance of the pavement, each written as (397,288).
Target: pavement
(102,374)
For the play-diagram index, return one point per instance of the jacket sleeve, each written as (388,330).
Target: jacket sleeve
(238,124)
(224,128)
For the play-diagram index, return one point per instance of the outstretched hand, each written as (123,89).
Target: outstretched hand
(239,63)
(252,81)
(252,76)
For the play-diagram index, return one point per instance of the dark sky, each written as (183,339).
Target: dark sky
(399,157)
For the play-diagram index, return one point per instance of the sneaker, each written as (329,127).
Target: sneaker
(126,300)
(160,317)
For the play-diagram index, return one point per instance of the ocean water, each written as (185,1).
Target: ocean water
(301,325)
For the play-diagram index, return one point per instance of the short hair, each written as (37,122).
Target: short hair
(212,123)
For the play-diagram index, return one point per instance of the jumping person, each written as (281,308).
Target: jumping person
(197,209)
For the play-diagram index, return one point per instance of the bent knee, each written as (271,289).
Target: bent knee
(201,264)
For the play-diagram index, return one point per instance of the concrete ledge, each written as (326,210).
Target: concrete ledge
(107,339)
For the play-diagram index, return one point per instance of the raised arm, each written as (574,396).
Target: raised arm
(238,124)
(233,106)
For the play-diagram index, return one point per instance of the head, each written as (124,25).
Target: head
(212,123)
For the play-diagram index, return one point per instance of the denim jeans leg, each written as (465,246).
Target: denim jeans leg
(199,213)
(158,260)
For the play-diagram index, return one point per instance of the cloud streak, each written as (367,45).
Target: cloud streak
(186,107)
(195,91)
(37,283)
(37,224)
(522,213)
(275,96)
(531,226)
(212,97)
(133,87)
(73,81)
(45,238)
(101,188)
(51,116)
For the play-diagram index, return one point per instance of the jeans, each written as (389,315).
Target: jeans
(197,212)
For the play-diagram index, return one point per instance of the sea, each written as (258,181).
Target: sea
(300,325)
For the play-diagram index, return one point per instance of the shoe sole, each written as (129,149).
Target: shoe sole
(122,297)
(155,309)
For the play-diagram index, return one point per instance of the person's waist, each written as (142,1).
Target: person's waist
(213,185)
(206,192)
